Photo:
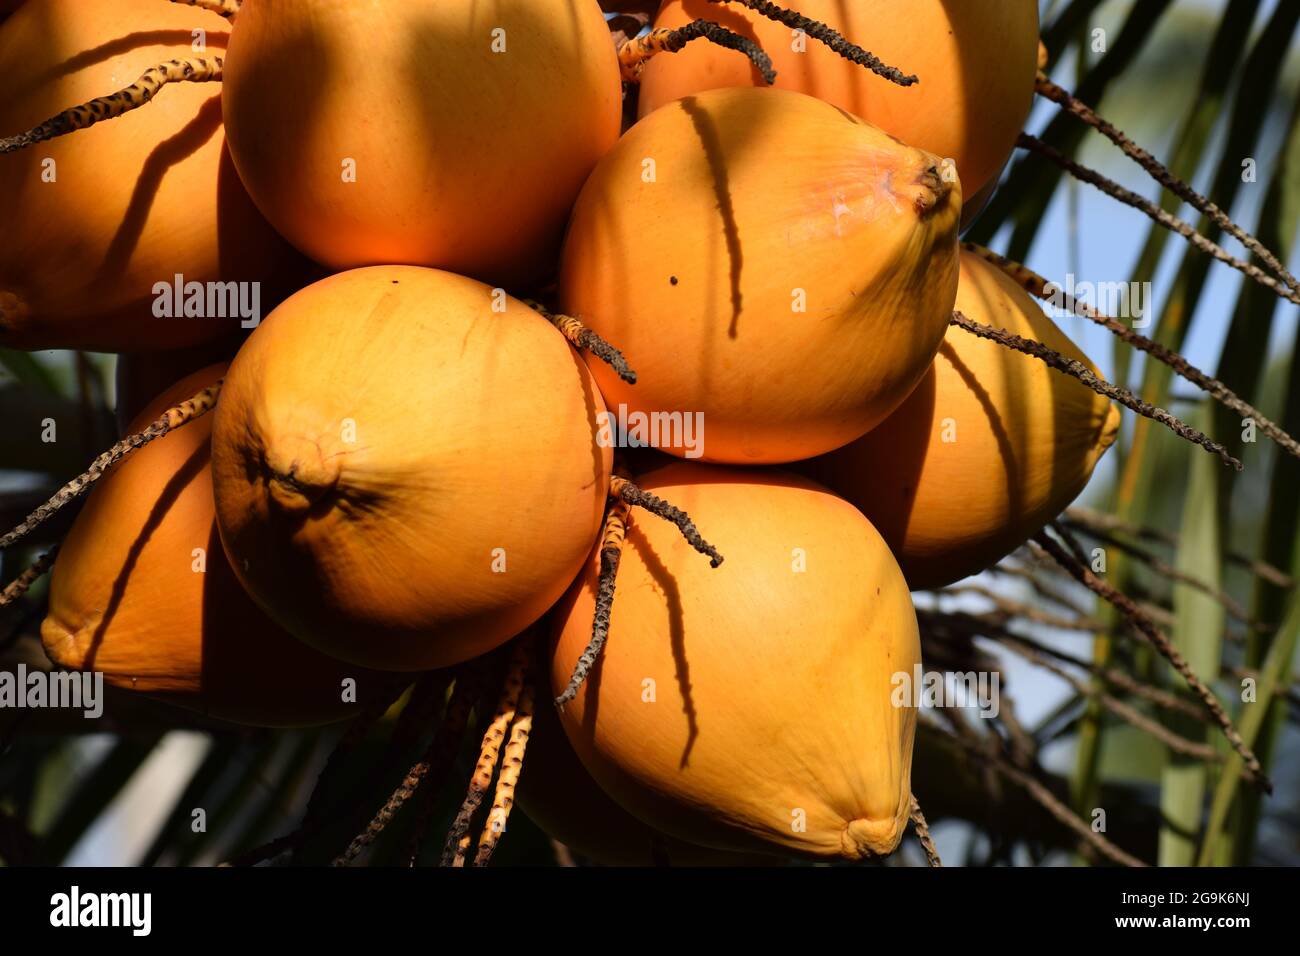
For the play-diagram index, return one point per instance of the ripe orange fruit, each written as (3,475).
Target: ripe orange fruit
(453,134)
(988,449)
(142,592)
(976,62)
(774,269)
(558,794)
(406,477)
(749,707)
(97,219)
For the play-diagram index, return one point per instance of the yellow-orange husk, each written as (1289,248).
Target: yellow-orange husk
(558,794)
(95,219)
(768,262)
(142,592)
(976,61)
(406,475)
(466,157)
(750,707)
(989,448)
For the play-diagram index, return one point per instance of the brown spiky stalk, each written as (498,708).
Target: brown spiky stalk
(205,69)
(830,38)
(1092,380)
(1006,609)
(1101,521)
(1043,796)
(441,754)
(1155,213)
(584,339)
(1049,292)
(1234,608)
(1144,627)
(20,585)
(512,765)
(611,551)
(431,768)
(923,832)
(1129,714)
(1163,175)
(456,849)
(634,55)
(357,731)
(176,416)
(223,8)
(626,491)
(428,695)
(1111,675)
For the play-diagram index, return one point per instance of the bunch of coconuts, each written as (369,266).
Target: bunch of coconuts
(409,465)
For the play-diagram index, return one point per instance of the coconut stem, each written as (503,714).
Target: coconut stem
(197,70)
(1234,608)
(356,732)
(1043,655)
(636,52)
(422,708)
(512,765)
(316,820)
(20,585)
(611,551)
(433,766)
(830,38)
(176,416)
(1087,519)
(584,339)
(1088,377)
(1039,287)
(456,848)
(1043,796)
(923,833)
(1144,627)
(626,491)
(1161,174)
(224,8)
(1129,714)
(1150,209)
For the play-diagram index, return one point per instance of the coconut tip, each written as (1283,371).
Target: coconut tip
(870,837)
(299,475)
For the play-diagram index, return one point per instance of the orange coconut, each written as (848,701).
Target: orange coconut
(142,592)
(452,134)
(751,706)
(769,264)
(558,794)
(408,467)
(98,218)
(975,59)
(989,448)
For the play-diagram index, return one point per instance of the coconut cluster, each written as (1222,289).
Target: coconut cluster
(410,462)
